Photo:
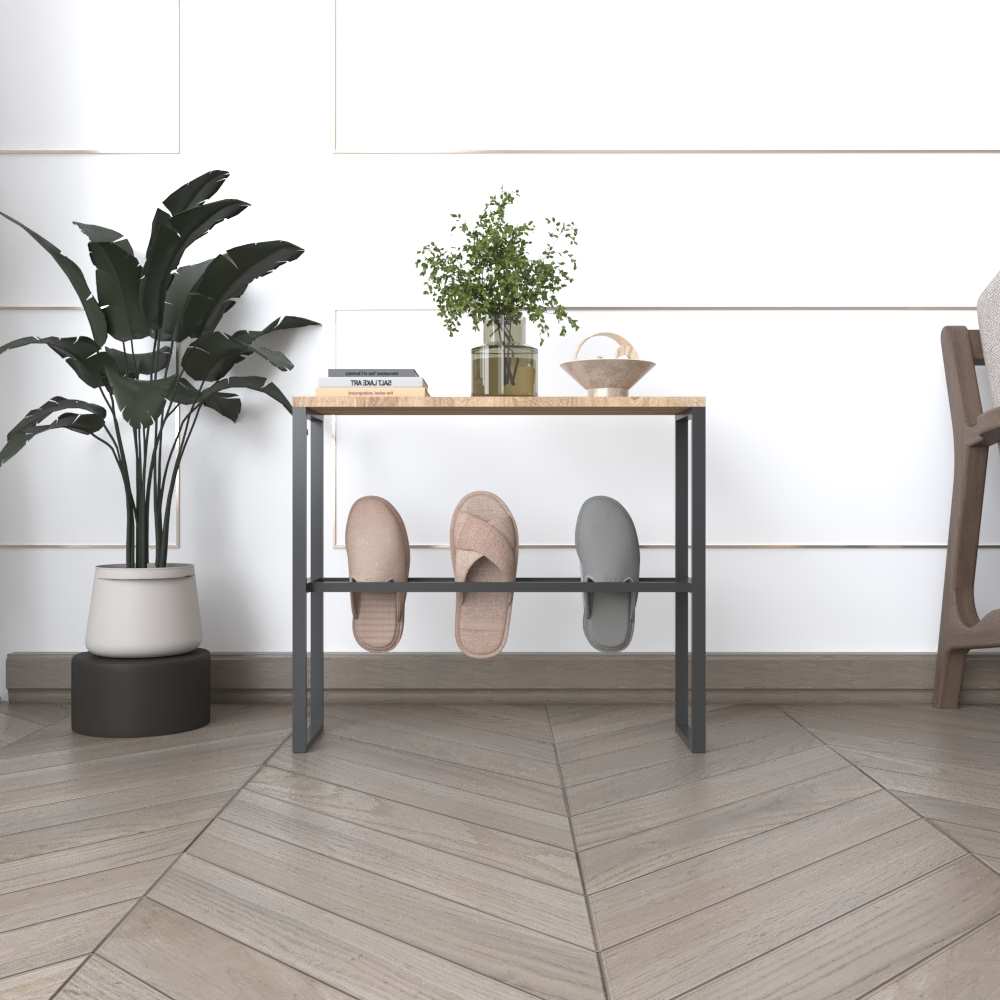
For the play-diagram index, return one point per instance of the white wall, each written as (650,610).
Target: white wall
(779,203)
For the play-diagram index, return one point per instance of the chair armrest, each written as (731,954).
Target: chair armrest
(986,429)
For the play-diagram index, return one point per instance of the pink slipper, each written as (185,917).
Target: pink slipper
(378,550)
(483,549)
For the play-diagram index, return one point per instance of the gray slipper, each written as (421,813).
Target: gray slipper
(608,547)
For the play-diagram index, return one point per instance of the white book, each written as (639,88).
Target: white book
(371,382)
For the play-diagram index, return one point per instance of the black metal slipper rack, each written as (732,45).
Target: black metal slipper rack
(309,583)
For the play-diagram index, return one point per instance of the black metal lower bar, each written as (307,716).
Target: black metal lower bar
(524,584)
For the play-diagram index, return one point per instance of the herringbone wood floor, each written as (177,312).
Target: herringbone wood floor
(491,852)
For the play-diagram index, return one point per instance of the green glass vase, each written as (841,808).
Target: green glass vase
(504,365)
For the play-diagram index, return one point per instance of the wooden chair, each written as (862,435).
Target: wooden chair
(974,431)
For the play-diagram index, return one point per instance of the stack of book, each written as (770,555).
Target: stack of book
(387,382)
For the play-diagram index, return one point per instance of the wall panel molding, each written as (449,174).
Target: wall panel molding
(832,488)
(717,76)
(90,78)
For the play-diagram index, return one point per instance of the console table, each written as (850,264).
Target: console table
(309,583)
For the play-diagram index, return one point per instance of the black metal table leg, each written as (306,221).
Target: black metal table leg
(316,643)
(300,731)
(697,728)
(682,426)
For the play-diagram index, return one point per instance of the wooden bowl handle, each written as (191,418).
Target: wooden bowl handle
(624,349)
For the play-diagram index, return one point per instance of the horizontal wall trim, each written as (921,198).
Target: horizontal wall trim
(675,308)
(665,151)
(606,308)
(725,546)
(732,677)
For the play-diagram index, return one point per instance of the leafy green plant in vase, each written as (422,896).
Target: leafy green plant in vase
(493,279)
(154,360)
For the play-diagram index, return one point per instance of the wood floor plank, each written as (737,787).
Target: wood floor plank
(635,815)
(442,724)
(41,714)
(57,940)
(54,749)
(682,955)
(100,980)
(973,839)
(67,836)
(13,729)
(693,767)
(497,814)
(529,858)
(530,722)
(520,900)
(659,730)
(114,853)
(976,722)
(577,722)
(969,969)
(632,908)
(427,744)
(939,771)
(948,811)
(361,962)
(86,892)
(974,757)
(187,960)
(80,781)
(534,962)
(954,791)
(148,796)
(733,731)
(39,984)
(472,779)
(852,729)
(856,953)
(144,754)
(631,857)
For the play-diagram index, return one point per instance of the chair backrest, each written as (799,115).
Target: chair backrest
(962,350)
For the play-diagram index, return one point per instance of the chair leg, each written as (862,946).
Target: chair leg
(948,677)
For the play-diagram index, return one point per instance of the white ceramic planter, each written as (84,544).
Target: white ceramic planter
(144,612)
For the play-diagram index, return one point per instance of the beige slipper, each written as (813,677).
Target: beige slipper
(483,549)
(378,550)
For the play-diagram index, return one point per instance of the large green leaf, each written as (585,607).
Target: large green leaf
(179,390)
(141,401)
(65,347)
(95,317)
(169,237)
(146,363)
(226,278)
(195,192)
(226,403)
(118,275)
(177,292)
(280,361)
(281,323)
(101,234)
(80,353)
(88,422)
(255,382)
(212,355)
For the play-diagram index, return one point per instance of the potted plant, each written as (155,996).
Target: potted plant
(493,279)
(155,360)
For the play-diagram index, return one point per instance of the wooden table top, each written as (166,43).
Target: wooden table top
(470,405)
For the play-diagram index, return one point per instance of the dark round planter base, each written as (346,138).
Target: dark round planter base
(141,697)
